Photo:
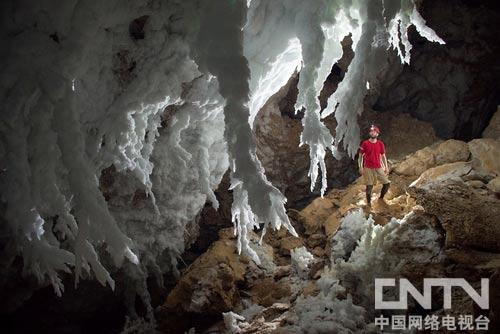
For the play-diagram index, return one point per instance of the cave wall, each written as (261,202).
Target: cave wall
(453,86)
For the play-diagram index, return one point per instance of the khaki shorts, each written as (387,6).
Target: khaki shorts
(371,175)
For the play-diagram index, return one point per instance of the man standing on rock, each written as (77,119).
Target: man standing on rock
(373,165)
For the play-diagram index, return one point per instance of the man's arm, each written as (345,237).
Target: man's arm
(383,160)
(361,157)
(360,162)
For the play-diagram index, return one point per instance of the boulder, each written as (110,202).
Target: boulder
(314,215)
(493,129)
(451,151)
(469,216)
(453,170)
(282,271)
(486,155)
(318,252)
(416,163)
(428,157)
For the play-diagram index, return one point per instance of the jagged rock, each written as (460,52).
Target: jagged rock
(470,218)
(486,155)
(493,129)
(428,157)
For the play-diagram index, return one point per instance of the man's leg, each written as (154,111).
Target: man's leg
(385,182)
(369,189)
(369,179)
(385,187)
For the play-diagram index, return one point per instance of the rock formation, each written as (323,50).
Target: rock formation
(441,207)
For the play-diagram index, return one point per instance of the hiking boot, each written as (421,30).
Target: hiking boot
(384,190)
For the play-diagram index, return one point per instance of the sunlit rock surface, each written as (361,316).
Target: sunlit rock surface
(485,153)
(431,156)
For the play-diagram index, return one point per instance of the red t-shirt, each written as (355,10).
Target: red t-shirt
(371,152)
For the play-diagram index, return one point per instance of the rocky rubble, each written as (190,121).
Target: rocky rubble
(219,281)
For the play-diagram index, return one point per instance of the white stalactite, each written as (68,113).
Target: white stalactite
(79,95)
